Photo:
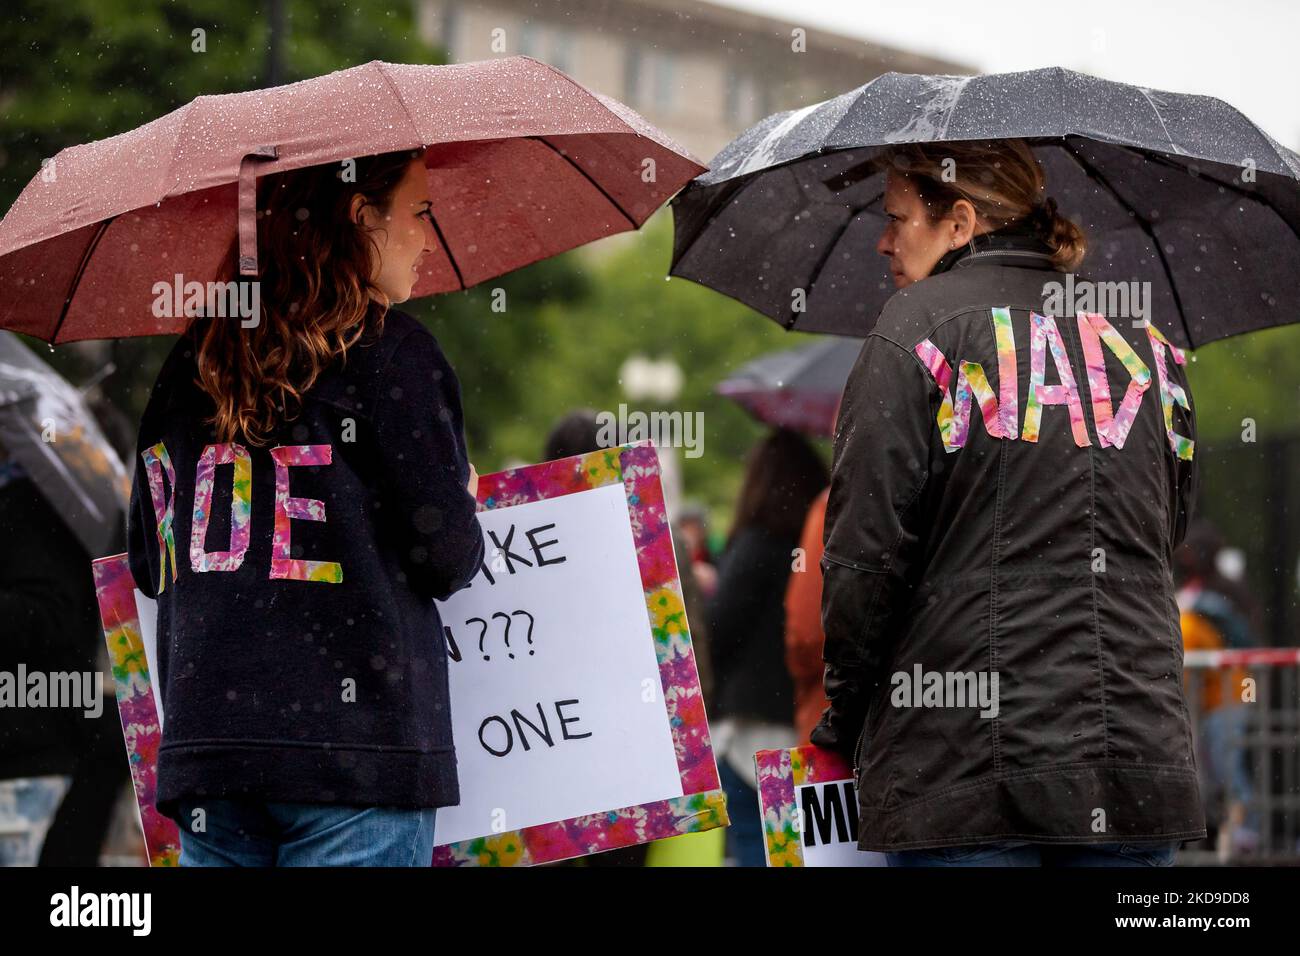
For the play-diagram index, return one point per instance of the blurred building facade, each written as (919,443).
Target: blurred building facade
(699,71)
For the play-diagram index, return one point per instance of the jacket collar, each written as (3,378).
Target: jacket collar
(1016,245)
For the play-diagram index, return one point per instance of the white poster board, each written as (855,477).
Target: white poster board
(585,675)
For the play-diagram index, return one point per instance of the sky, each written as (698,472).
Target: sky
(1246,52)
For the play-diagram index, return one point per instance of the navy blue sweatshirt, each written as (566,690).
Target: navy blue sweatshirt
(300,650)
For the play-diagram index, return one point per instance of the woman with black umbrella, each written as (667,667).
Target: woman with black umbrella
(1002,645)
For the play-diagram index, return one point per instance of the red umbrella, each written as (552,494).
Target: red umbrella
(523,164)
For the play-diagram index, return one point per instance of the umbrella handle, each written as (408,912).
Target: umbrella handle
(248,207)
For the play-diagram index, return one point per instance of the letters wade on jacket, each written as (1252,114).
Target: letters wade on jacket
(1000,412)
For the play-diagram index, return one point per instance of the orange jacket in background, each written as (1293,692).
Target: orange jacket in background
(1201,635)
(803,624)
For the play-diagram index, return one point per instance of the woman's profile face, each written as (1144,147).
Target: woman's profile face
(911,242)
(403,234)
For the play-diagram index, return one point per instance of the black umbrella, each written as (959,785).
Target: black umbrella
(796,388)
(47,427)
(1182,191)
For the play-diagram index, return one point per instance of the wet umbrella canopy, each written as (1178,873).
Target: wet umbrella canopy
(795,388)
(46,426)
(1180,191)
(523,163)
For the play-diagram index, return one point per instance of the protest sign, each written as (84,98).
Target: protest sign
(575,631)
(577,715)
(809,805)
(128,618)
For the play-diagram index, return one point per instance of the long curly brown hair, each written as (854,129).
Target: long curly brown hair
(315,265)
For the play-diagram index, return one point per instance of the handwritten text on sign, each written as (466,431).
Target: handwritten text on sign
(550,656)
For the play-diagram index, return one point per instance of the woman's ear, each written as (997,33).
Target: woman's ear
(964,221)
(355,207)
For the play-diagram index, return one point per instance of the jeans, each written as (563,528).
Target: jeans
(27,808)
(1223,738)
(256,833)
(745,841)
(1016,853)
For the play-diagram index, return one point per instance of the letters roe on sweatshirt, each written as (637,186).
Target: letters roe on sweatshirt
(300,656)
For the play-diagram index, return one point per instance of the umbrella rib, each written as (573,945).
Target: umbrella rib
(447,248)
(726,196)
(165,186)
(1230,186)
(854,211)
(586,176)
(76,279)
(451,258)
(1093,173)
(1156,111)
(821,264)
(392,87)
(835,129)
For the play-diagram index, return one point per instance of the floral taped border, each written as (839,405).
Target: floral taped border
(115,590)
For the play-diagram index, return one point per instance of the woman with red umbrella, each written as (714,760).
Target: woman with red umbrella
(304,691)
(299,677)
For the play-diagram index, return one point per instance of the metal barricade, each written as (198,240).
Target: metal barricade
(1245,711)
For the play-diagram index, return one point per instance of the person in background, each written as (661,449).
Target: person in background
(574,434)
(804,636)
(754,696)
(1216,613)
(694,525)
(50,623)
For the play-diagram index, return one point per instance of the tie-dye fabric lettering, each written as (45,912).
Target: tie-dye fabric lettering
(1170,392)
(954,410)
(156,461)
(283,565)
(941,371)
(241,507)
(1000,411)
(1112,430)
(1008,405)
(1043,334)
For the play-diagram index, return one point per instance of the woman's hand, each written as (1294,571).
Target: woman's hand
(472,487)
